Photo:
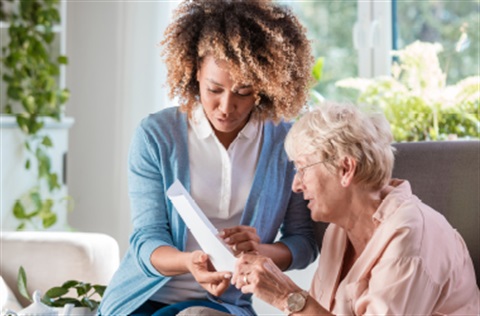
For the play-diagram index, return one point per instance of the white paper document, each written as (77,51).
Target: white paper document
(201,228)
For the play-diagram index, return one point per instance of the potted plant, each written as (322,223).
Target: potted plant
(34,100)
(84,296)
(417,100)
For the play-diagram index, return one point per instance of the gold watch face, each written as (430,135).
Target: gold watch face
(296,302)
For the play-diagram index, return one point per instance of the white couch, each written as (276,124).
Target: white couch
(51,258)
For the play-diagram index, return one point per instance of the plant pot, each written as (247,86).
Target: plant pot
(17,180)
(77,311)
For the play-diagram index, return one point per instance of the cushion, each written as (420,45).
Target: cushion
(7,298)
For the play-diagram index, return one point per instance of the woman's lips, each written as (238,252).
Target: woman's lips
(310,202)
(226,120)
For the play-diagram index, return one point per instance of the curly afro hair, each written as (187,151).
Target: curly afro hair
(263,43)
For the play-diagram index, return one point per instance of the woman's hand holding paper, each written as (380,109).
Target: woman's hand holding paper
(204,273)
(241,239)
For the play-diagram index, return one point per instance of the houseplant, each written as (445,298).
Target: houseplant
(417,100)
(84,294)
(30,72)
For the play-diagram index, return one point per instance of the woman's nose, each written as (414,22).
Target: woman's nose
(227,104)
(297,184)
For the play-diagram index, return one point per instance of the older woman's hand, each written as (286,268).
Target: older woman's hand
(204,273)
(259,275)
(241,239)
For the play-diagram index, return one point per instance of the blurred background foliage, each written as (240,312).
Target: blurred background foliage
(453,25)
(417,100)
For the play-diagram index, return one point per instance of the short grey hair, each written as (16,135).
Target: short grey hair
(332,131)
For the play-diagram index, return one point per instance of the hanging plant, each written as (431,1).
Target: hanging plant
(31,73)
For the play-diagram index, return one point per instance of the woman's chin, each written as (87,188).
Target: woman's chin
(316,214)
(227,127)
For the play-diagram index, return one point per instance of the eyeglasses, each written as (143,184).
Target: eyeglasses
(301,171)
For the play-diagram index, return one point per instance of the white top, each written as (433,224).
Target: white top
(220,190)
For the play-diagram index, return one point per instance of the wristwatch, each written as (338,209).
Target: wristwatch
(296,301)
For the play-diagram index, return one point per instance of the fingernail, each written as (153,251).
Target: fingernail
(227,276)
(227,240)
(222,233)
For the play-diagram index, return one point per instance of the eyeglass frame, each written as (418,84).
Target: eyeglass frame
(301,171)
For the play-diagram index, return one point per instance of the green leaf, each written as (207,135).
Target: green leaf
(22,284)
(100,289)
(318,68)
(69,284)
(55,292)
(43,162)
(29,104)
(53,182)
(35,126)
(36,199)
(21,226)
(83,288)
(49,220)
(62,60)
(47,142)
(27,164)
(64,96)
(19,210)
(23,124)
(66,300)
(14,92)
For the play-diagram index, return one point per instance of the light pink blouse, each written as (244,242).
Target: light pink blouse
(415,264)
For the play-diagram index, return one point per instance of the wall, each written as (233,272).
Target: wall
(115,76)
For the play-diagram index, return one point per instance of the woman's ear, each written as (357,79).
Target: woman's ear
(348,167)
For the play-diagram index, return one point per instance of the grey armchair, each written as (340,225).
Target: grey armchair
(446,176)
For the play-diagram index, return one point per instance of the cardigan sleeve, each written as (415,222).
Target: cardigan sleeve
(151,227)
(297,233)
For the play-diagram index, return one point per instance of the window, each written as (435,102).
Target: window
(356,38)
(329,25)
(454,24)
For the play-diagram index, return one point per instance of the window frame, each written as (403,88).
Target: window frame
(372,37)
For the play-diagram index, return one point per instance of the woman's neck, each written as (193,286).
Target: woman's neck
(227,138)
(360,226)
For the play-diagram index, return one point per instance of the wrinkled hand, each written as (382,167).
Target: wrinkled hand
(204,273)
(259,275)
(241,239)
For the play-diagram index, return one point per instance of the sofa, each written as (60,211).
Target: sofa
(51,258)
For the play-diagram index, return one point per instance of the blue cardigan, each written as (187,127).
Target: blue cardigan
(159,155)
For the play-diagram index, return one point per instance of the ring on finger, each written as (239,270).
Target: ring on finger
(245,279)
(234,247)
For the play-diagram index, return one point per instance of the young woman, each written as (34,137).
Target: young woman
(237,69)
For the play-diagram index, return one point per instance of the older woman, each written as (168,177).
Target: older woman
(385,252)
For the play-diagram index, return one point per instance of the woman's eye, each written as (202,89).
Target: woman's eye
(244,94)
(214,91)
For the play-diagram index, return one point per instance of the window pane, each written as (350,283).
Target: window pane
(329,25)
(443,22)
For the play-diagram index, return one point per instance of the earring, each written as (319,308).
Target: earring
(344,183)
